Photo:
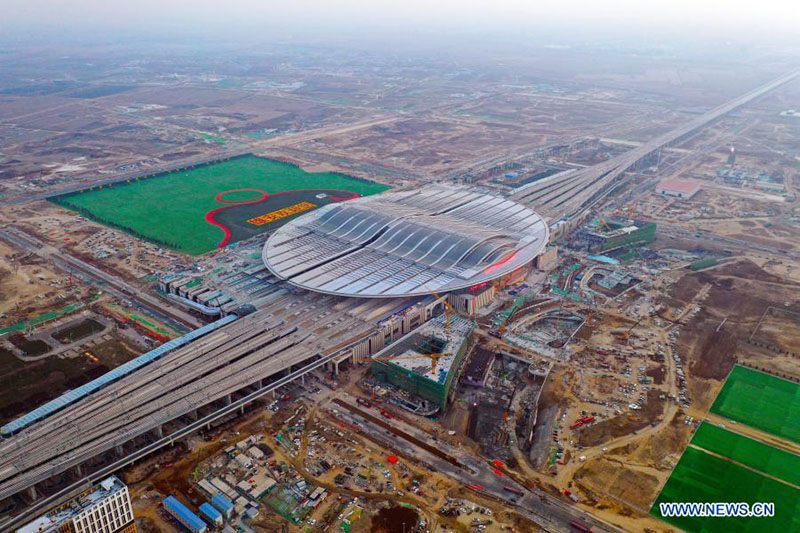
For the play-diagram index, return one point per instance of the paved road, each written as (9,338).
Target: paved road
(112,284)
(540,507)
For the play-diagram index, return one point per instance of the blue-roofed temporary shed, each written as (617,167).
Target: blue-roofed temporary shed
(182,514)
(223,505)
(213,516)
(122,370)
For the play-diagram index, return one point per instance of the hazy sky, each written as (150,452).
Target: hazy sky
(763,18)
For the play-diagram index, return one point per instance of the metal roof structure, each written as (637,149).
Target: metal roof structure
(84,390)
(406,243)
(187,517)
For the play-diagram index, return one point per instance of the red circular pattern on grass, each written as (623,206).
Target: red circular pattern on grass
(264,195)
(348,195)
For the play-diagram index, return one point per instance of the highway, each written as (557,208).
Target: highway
(158,307)
(568,194)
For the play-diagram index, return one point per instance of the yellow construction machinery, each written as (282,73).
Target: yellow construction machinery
(447,309)
(603,222)
(434,357)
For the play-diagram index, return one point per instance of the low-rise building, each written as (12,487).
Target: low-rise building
(678,187)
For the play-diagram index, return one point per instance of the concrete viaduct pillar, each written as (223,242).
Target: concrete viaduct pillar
(159,431)
(120,451)
(31,493)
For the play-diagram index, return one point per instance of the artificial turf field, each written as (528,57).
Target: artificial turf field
(171,208)
(763,457)
(761,401)
(701,477)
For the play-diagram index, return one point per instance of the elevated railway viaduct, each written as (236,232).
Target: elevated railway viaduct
(566,197)
(191,387)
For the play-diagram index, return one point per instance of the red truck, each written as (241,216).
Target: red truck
(580,527)
(581,422)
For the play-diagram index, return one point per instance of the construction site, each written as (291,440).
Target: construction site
(524,332)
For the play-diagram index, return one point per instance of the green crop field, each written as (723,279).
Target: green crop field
(170,209)
(701,477)
(763,457)
(761,401)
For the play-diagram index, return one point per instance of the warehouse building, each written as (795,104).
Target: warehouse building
(678,187)
(183,515)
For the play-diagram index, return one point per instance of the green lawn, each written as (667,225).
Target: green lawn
(761,401)
(764,458)
(171,208)
(700,477)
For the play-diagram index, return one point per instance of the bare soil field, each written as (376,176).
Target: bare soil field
(777,327)
(27,285)
(740,293)
(623,424)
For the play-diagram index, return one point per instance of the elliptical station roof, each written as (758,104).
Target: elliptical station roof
(406,243)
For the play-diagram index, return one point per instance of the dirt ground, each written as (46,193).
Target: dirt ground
(740,294)
(27,285)
(115,250)
(621,484)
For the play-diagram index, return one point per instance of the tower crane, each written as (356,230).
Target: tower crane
(447,310)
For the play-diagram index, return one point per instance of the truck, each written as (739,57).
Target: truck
(582,421)
(362,401)
(578,526)
(513,490)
